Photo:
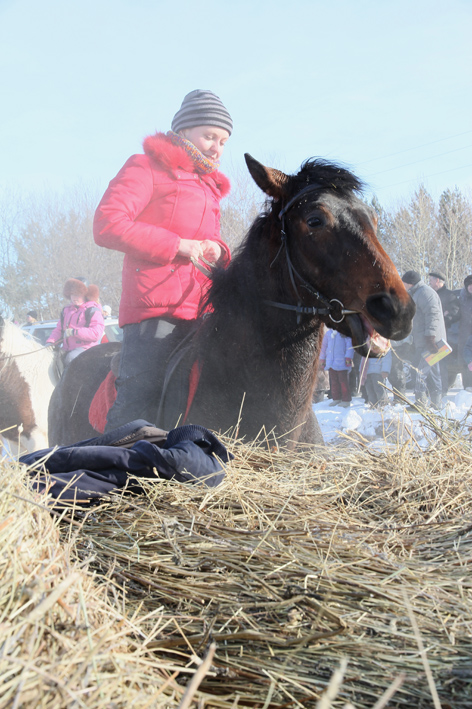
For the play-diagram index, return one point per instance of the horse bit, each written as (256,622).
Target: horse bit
(333,307)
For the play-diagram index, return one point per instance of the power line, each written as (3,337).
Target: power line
(416,147)
(415,162)
(414,179)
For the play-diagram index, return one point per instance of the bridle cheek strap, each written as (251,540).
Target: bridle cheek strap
(330,306)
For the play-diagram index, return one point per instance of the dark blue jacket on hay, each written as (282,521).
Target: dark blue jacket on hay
(94,467)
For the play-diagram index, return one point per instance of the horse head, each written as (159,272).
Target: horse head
(323,237)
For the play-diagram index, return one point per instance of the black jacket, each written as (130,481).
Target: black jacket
(450,305)
(92,468)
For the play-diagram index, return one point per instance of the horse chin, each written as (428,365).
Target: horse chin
(362,333)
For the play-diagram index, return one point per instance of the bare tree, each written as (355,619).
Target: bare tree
(53,244)
(239,209)
(455,236)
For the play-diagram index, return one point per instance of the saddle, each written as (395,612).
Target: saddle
(180,384)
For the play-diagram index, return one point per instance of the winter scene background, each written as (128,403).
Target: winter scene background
(325,577)
(392,425)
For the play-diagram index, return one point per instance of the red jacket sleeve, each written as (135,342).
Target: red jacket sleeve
(114,223)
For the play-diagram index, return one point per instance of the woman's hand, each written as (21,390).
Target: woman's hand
(190,249)
(211,251)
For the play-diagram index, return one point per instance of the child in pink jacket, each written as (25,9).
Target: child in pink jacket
(81,324)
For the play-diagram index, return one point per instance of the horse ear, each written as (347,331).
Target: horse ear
(270,180)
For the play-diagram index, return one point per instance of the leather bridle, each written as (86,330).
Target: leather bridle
(333,308)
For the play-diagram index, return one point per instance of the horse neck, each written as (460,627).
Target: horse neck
(241,292)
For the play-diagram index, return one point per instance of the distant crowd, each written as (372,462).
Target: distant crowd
(437,350)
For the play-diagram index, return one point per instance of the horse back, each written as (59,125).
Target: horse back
(70,401)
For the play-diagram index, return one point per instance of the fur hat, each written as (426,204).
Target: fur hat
(411,277)
(78,288)
(438,274)
(468,281)
(202,108)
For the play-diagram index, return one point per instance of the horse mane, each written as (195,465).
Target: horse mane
(13,341)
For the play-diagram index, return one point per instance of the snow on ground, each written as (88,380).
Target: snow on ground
(393,424)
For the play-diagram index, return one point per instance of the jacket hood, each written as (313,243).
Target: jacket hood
(160,148)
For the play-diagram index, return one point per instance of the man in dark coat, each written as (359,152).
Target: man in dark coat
(465,329)
(428,329)
(450,365)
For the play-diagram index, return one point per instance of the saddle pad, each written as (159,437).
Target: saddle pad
(102,402)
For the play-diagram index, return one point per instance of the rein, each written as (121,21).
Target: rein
(334,308)
(23,354)
(8,356)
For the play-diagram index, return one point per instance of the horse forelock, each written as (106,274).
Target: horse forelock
(329,175)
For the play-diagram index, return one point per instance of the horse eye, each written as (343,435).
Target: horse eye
(314,221)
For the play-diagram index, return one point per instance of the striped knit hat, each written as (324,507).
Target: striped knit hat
(202,108)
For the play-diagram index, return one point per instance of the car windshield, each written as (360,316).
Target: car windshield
(41,334)
(113,332)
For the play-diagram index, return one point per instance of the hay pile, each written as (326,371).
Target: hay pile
(297,565)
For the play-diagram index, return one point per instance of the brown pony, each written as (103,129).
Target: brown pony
(312,257)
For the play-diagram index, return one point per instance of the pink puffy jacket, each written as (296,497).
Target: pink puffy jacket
(155,200)
(74,317)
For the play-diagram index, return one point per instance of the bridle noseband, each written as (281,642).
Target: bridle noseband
(334,307)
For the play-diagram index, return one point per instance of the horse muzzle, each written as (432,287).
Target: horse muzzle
(386,315)
(391,316)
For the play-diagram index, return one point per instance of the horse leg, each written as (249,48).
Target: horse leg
(311,431)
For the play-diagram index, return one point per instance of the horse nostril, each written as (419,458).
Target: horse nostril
(381,306)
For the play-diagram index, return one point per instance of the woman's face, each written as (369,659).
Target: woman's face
(208,139)
(76,300)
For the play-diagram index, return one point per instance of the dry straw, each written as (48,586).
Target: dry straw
(305,580)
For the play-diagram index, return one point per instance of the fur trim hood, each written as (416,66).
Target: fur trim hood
(172,157)
(78,288)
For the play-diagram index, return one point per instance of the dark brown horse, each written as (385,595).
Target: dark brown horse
(313,257)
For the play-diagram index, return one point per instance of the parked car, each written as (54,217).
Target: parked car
(41,330)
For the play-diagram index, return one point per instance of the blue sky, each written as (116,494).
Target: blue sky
(382,86)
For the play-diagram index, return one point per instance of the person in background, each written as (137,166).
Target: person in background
(162,210)
(400,372)
(467,357)
(81,323)
(465,330)
(450,365)
(336,356)
(428,329)
(373,373)
(106,310)
(31,317)
(321,385)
